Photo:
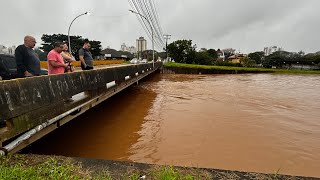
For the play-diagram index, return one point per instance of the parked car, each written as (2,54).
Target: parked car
(144,61)
(8,67)
(134,61)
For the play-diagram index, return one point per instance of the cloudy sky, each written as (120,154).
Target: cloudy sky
(245,25)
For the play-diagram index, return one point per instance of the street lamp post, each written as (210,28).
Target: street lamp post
(70,27)
(151,33)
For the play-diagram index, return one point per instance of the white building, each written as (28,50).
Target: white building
(229,50)
(130,49)
(141,44)
(270,50)
(7,50)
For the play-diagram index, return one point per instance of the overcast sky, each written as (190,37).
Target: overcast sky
(245,25)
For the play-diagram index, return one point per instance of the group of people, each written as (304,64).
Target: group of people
(59,59)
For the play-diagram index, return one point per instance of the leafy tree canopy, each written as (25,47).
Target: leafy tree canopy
(182,51)
(257,56)
(76,43)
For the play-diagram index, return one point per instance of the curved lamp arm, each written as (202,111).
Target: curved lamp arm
(70,27)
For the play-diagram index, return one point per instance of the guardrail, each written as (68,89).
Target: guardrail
(29,102)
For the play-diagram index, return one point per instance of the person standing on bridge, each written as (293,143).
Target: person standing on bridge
(28,62)
(85,56)
(67,57)
(56,63)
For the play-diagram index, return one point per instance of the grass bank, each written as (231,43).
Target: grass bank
(45,167)
(181,68)
(49,167)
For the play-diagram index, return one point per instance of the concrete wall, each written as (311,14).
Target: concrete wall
(28,102)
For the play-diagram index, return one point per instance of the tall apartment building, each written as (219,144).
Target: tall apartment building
(270,50)
(141,44)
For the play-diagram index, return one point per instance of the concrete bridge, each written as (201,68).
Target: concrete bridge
(30,108)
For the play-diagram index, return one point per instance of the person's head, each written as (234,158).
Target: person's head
(30,41)
(58,46)
(65,47)
(86,44)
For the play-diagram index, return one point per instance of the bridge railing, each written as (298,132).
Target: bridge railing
(27,102)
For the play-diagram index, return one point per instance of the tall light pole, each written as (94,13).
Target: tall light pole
(151,33)
(70,27)
(167,37)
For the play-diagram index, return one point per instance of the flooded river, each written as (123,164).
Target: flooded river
(251,122)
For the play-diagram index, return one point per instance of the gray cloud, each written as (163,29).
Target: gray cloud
(248,25)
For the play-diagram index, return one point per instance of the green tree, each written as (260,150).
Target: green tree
(277,59)
(204,58)
(162,55)
(147,54)
(76,43)
(95,48)
(257,56)
(246,62)
(182,51)
(213,53)
(42,55)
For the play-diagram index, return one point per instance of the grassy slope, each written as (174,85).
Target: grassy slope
(194,66)
(50,167)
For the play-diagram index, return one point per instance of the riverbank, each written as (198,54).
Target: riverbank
(57,167)
(179,68)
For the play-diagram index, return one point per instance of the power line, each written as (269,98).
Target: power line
(147,8)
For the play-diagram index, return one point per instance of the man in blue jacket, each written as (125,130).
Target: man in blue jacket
(28,62)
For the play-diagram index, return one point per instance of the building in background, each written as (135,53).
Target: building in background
(229,51)
(130,49)
(270,50)
(7,50)
(141,45)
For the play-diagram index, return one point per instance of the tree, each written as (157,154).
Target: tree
(182,51)
(277,59)
(147,54)
(42,55)
(204,58)
(162,55)
(95,48)
(257,56)
(76,43)
(213,53)
(246,62)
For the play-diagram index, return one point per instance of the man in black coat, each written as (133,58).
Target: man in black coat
(28,62)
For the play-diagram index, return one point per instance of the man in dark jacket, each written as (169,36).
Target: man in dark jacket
(85,56)
(28,62)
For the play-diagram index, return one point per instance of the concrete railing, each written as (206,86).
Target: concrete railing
(28,102)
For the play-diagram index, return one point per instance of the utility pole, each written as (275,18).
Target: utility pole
(167,37)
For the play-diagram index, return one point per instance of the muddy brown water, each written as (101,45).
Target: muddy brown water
(250,122)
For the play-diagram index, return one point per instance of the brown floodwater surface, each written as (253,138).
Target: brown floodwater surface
(251,122)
